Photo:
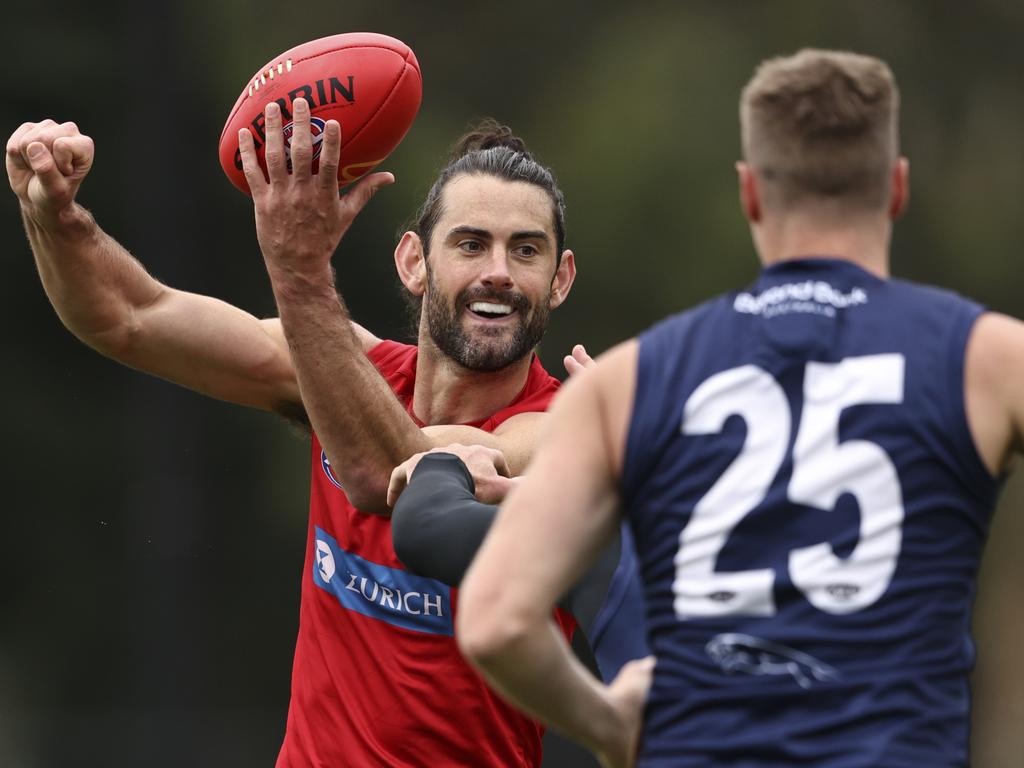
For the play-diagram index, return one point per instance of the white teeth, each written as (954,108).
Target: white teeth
(491,309)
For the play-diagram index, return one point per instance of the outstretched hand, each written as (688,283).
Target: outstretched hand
(300,217)
(487,466)
(46,163)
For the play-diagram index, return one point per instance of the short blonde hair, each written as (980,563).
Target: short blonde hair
(822,124)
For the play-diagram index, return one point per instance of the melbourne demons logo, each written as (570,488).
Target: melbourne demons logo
(328,471)
(316,127)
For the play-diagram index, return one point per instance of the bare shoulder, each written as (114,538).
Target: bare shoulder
(994,399)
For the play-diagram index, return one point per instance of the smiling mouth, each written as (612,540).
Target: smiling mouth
(489,310)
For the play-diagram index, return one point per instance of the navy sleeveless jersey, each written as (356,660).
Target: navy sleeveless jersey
(809,510)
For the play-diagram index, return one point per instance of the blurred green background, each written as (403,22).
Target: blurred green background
(152,541)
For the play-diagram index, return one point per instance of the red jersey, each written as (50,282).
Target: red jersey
(378,679)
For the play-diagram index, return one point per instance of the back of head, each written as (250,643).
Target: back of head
(822,125)
(490,148)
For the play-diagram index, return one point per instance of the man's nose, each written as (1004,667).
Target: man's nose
(496,271)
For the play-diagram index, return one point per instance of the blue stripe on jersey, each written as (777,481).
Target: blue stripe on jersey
(809,510)
(387,594)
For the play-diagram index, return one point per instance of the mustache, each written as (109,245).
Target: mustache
(513,299)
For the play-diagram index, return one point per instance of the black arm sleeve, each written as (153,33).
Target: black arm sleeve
(438,524)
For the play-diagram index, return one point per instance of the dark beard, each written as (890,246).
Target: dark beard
(475,353)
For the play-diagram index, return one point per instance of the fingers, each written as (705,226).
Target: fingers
(579,353)
(15,149)
(399,480)
(250,163)
(330,155)
(638,669)
(25,135)
(301,141)
(634,680)
(400,477)
(48,133)
(477,457)
(45,132)
(41,162)
(357,198)
(629,691)
(578,361)
(277,167)
(73,154)
(294,156)
(644,666)
(492,490)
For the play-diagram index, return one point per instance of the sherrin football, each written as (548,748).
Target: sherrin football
(369,83)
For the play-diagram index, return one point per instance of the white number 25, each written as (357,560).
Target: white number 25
(823,469)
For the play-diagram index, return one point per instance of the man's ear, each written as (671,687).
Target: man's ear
(899,195)
(750,195)
(410,261)
(563,280)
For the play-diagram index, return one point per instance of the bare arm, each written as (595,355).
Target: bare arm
(515,438)
(993,394)
(108,300)
(300,219)
(549,530)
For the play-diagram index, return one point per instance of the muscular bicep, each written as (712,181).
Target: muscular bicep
(216,349)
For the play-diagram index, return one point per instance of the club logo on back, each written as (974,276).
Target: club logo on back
(735,652)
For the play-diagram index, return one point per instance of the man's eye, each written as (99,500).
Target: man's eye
(470,246)
(528,251)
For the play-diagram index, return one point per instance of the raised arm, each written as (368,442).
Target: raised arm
(108,300)
(300,220)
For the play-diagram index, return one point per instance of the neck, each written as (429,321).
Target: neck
(862,240)
(447,393)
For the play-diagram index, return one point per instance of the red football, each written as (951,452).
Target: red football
(369,83)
